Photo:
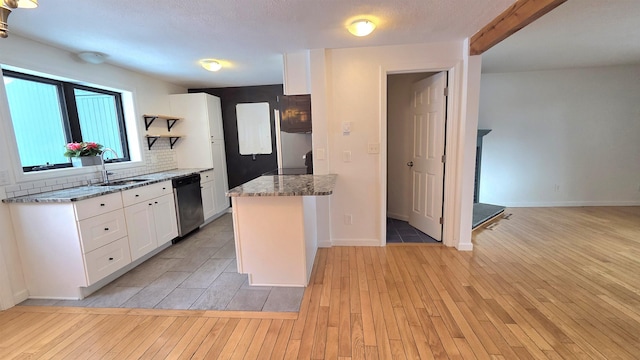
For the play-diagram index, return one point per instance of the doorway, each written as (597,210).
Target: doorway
(416,113)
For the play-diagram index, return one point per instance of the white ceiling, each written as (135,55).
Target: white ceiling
(578,33)
(165,38)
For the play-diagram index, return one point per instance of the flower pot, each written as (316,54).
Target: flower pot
(85,161)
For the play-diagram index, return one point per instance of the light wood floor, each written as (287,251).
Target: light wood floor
(546,283)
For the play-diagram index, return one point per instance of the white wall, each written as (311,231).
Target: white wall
(400,143)
(561,138)
(350,85)
(150,97)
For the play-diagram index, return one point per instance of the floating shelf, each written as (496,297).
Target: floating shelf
(151,139)
(149,119)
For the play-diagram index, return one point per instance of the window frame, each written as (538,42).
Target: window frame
(70,117)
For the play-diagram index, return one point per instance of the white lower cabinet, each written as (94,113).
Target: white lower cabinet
(107,259)
(164,215)
(207,186)
(152,221)
(141,229)
(68,247)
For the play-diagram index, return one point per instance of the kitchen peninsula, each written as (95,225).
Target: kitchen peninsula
(276,228)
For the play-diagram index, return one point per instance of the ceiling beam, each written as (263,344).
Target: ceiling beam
(517,16)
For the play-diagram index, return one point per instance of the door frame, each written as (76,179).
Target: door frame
(453,144)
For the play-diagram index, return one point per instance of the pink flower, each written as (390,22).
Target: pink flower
(91,145)
(74,146)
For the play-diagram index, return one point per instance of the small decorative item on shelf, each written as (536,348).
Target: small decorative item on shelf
(83,153)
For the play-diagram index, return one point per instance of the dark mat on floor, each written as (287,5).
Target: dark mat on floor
(483,212)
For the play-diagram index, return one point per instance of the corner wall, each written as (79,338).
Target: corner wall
(350,85)
(562,137)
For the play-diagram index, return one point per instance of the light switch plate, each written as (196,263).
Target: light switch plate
(373,148)
(346,156)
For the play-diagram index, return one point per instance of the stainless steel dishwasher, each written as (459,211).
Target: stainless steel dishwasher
(188,197)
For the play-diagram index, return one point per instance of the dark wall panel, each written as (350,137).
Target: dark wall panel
(242,168)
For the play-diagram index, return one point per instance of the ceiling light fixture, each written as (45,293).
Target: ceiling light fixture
(92,57)
(5,11)
(361,27)
(211,64)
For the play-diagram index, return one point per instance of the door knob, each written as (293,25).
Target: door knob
(410,164)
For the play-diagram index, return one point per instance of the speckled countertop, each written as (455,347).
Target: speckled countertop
(86,192)
(286,185)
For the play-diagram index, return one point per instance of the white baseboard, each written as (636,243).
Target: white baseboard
(398,216)
(20,296)
(356,242)
(324,244)
(568,203)
(465,247)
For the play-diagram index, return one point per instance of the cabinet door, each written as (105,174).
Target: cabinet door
(164,214)
(215,117)
(141,228)
(208,200)
(220,175)
(193,150)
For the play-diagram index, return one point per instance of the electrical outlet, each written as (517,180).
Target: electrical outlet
(346,127)
(373,148)
(320,154)
(348,219)
(556,188)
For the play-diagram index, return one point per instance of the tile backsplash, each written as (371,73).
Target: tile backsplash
(159,158)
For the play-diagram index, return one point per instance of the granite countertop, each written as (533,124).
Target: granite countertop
(286,185)
(86,192)
(288,171)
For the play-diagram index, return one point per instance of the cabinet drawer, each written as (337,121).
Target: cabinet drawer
(105,260)
(206,176)
(102,229)
(144,193)
(98,205)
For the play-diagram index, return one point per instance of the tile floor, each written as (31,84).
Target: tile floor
(197,273)
(399,231)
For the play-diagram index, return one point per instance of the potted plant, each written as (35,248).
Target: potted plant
(83,153)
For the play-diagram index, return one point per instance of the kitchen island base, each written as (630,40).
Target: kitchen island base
(280,245)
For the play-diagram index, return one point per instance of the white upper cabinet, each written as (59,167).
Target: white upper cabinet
(203,143)
(297,74)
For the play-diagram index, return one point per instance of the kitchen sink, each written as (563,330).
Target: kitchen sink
(123,182)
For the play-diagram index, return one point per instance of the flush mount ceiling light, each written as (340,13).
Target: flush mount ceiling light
(92,57)
(361,27)
(211,64)
(5,11)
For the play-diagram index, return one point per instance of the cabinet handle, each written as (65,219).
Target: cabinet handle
(156,202)
(110,259)
(164,188)
(106,229)
(137,195)
(150,204)
(101,204)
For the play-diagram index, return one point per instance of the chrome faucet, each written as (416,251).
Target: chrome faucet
(105,173)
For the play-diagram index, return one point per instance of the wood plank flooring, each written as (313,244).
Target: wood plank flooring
(544,284)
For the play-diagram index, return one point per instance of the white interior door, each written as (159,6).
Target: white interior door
(428,106)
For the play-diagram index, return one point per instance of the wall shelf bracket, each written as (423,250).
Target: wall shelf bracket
(149,119)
